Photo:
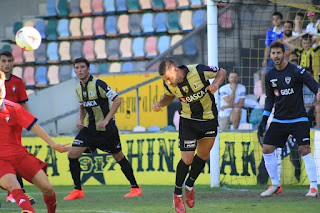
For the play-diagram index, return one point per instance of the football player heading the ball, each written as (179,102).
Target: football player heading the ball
(283,85)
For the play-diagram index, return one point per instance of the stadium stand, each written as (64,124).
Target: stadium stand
(53,75)
(64,51)
(63,7)
(41,76)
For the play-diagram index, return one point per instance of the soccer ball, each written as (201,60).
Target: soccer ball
(28,38)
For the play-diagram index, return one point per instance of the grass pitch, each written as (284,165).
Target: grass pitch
(159,199)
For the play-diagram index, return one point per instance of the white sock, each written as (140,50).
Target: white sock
(189,188)
(270,162)
(311,170)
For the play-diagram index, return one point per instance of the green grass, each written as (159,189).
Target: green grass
(159,199)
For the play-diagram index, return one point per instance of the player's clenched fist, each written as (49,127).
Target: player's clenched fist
(156,107)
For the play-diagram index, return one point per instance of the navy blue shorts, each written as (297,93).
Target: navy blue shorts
(192,130)
(107,141)
(278,133)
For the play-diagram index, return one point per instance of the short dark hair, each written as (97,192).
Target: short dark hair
(290,22)
(278,14)
(307,37)
(6,53)
(277,44)
(233,71)
(164,66)
(300,14)
(81,59)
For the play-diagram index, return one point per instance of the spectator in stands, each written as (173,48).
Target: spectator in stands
(14,158)
(293,58)
(298,25)
(309,56)
(15,92)
(232,101)
(287,33)
(275,33)
(311,104)
(312,27)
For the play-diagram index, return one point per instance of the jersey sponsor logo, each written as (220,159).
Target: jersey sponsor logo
(210,132)
(288,91)
(91,93)
(287,80)
(14,89)
(90,103)
(276,92)
(185,89)
(190,143)
(194,97)
(77,142)
(273,82)
(7,117)
(305,139)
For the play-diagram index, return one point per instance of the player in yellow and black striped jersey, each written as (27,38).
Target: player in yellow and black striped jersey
(101,131)
(198,121)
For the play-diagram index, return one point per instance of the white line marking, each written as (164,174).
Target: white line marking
(68,210)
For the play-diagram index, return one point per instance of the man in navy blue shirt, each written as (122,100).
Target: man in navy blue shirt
(283,85)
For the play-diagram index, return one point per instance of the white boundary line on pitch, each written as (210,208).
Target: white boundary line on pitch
(67,210)
(68,192)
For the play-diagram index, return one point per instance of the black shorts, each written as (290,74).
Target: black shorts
(107,141)
(192,130)
(278,133)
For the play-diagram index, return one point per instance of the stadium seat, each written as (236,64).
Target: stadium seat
(138,48)
(76,49)
(51,8)
(53,74)
(196,3)
(170,4)
(41,76)
(93,68)
(186,20)
(147,23)
(133,6)
(183,4)
(74,27)
(109,6)
(112,48)
(158,5)
(163,43)
(52,52)
(160,22)
(28,24)
(225,20)
(17,71)
(169,128)
(151,47)
(125,48)
(115,67)
(6,47)
(179,50)
(86,27)
(134,24)
(17,54)
(98,26)
(51,30)
(123,24)
(173,22)
(139,66)
(127,67)
(41,27)
(111,25)
(63,7)
(199,17)
(145,4)
(64,51)
(74,7)
(97,6)
(190,46)
(40,53)
(100,49)
(85,7)
(65,72)
(63,28)
(29,56)
(17,26)
(154,129)
(103,68)
(28,77)
(139,129)
(121,5)
(88,49)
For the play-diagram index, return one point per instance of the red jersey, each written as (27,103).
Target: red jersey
(12,118)
(15,90)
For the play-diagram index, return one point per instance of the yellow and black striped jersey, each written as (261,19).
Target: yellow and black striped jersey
(196,103)
(96,97)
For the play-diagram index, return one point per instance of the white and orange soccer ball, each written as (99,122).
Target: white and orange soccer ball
(28,38)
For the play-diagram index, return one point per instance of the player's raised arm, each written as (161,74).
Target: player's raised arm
(44,136)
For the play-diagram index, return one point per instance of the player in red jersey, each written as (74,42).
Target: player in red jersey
(14,157)
(15,92)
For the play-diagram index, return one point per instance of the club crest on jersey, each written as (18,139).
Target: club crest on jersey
(273,82)
(185,89)
(7,117)
(287,80)
(91,93)
(276,92)
(84,94)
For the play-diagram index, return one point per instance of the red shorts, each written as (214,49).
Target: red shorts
(26,166)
